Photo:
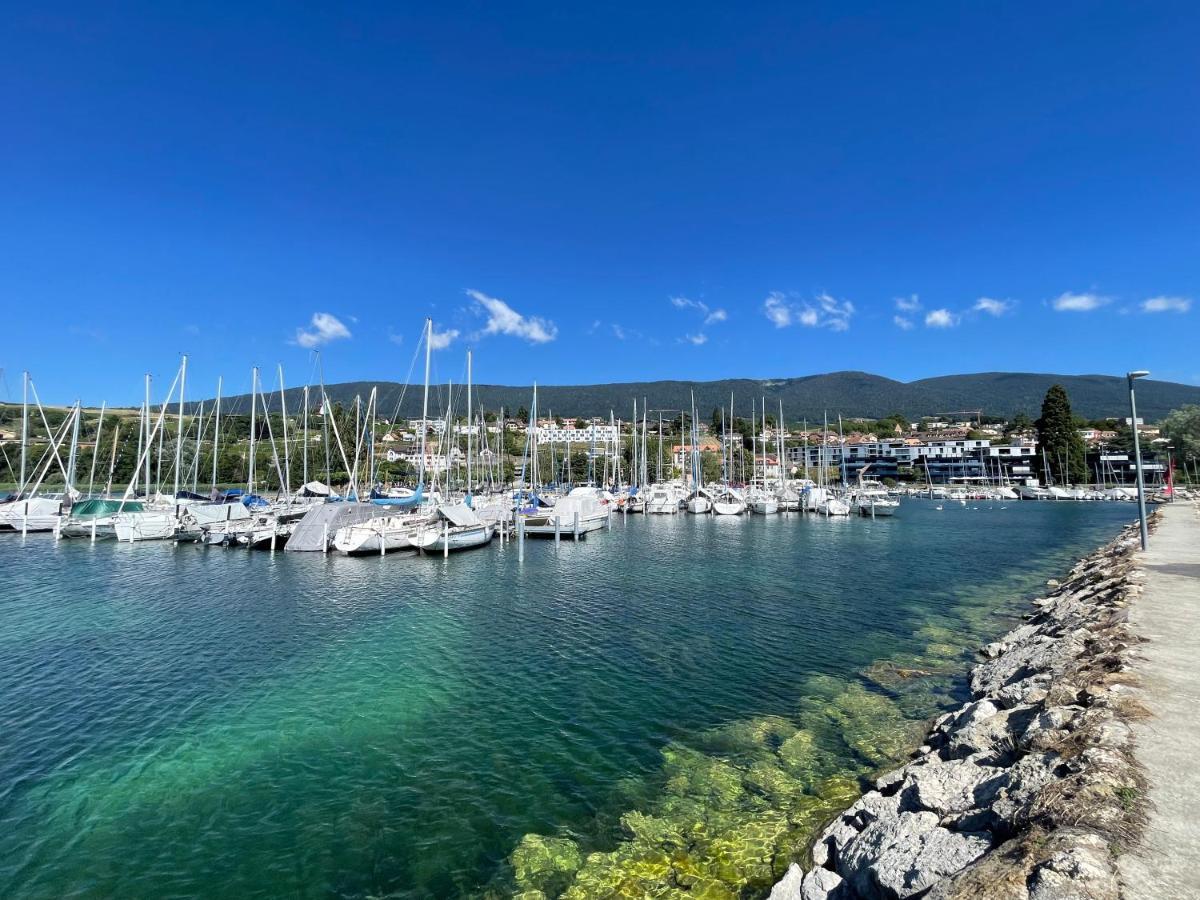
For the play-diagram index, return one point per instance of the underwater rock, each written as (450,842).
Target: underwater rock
(545,864)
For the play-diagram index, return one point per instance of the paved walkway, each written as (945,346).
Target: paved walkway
(1168,614)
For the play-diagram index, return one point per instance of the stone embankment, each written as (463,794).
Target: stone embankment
(1029,791)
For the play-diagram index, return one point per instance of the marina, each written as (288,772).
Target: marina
(252,723)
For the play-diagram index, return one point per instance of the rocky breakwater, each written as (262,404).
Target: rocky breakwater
(1030,790)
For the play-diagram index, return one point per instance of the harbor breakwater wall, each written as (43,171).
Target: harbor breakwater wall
(1028,791)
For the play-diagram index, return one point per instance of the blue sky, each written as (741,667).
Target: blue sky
(597,193)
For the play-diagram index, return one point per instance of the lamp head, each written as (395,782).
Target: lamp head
(1140,373)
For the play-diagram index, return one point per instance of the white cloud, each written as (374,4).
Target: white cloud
(1167,304)
(711,316)
(902,322)
(824,311)
(993,307)
(323,329)
(696,339)
(910,303)
(397,339)
(618,332)
(440,340)
(776,309)
(503,319)
(1069,302)
(940,318)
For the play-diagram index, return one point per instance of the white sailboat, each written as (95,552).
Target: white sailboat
(456,527)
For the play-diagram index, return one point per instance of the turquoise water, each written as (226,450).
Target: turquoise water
(182,721)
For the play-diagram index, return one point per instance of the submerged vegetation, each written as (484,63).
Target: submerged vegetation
(732,807)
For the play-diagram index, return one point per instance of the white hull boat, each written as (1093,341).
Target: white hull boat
(379,536)
(833,506)
(875,507)
(699,505)
(661,502)
(435,539)
(34,514)
(150,525)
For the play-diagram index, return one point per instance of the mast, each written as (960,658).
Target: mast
(325,417)
(287,466)
(96,450)
(112,462)
(216,435)
(24,429)
(146,428)
(179,424)
(468,423)
(304,471)
(199,440)
(253,421)
(780,444)
(70,477)
(424,404)
(753,443)
(806,478)
(658,470)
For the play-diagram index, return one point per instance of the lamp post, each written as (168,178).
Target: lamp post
(1137,455)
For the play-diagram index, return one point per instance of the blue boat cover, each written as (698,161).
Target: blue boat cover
(402,502)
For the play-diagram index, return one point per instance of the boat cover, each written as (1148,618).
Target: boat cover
(460,515)
(103,506)
(403,502)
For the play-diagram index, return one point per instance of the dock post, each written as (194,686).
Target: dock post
(557,531)
(324,537)
(520,540)
(93,530)
(446,541)
(274,531)
(382,544)
(576,526)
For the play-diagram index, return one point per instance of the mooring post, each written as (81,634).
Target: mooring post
(576,526)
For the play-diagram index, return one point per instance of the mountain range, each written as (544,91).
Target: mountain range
(852,394)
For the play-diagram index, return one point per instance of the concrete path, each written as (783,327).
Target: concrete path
(1168,615)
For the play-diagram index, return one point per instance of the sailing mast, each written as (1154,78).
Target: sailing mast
(24,429)
(253,421)
(216,435)
(179,424)
(469,409)
(287,467)
(304,456)
(424,405)
(146,426)
(96,450)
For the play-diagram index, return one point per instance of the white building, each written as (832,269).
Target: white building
(568,433)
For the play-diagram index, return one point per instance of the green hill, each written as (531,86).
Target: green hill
(849,393)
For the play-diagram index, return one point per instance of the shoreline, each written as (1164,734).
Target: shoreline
(1030,789)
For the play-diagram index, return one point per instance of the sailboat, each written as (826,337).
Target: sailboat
(760,501)
(397,531)
(455,527)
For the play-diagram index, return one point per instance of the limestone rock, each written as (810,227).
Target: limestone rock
(903,857)
(1082,871)
(821,884)
(788,887)
(952,787)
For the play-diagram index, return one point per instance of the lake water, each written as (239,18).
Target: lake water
(683,698)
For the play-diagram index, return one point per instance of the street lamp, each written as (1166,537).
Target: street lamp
(1137,455)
